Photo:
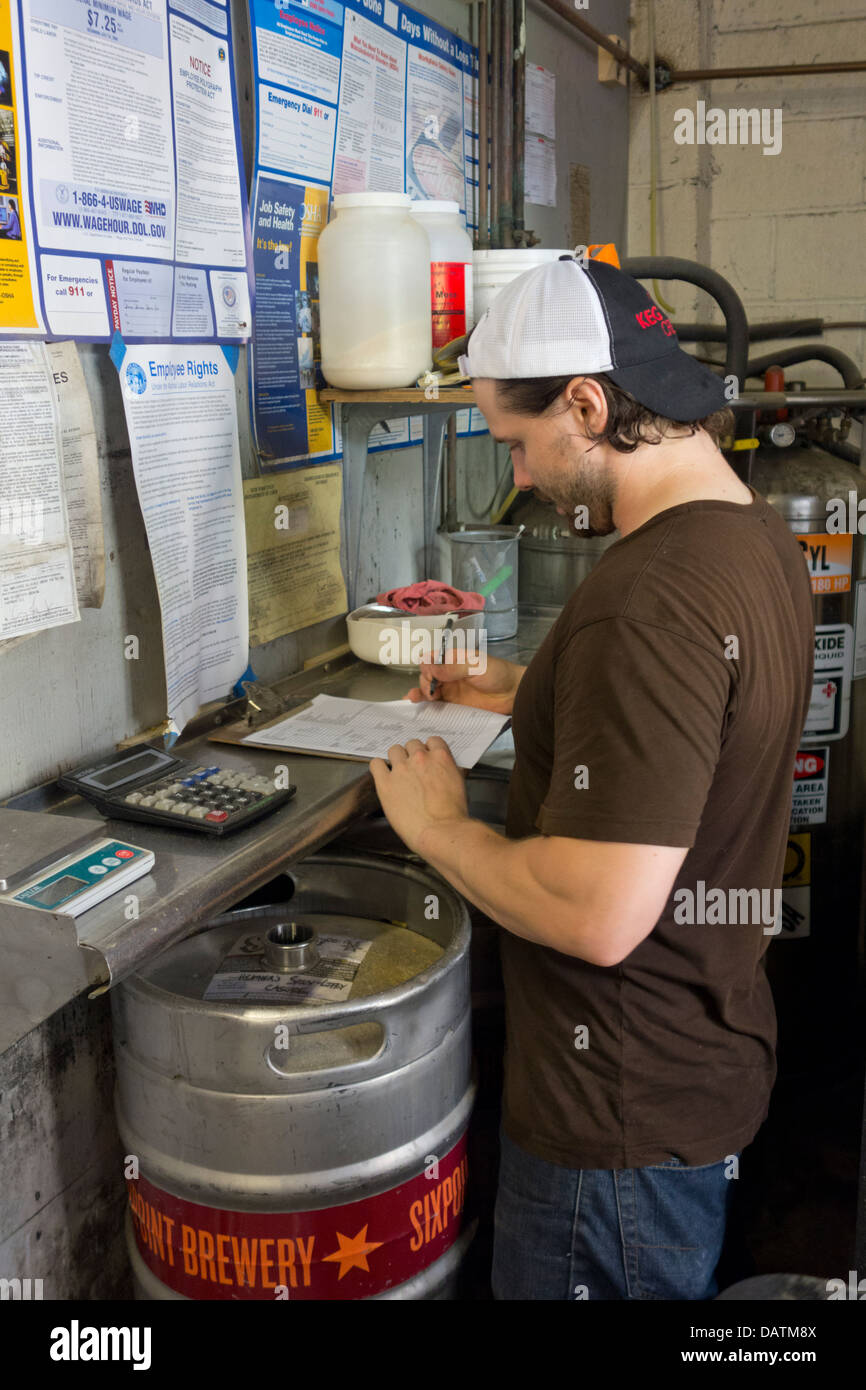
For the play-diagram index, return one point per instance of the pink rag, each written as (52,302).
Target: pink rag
(431,596)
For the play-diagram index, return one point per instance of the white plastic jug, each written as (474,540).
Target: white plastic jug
(450,268)
(374,293)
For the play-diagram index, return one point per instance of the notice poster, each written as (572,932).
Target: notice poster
(540,171)
(183,434)
(293,551)
(289,422)
(136,202)
(37,573)
(19,304)
(353,96)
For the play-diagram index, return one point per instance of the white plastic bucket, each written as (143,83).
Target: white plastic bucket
(494,269)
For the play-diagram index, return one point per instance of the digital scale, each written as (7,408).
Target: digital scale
(146,784)
(80,880)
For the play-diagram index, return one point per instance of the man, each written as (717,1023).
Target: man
(655,733)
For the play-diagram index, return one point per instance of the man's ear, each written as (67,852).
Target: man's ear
(587,400)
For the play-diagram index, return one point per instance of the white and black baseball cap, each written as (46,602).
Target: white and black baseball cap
(564,318)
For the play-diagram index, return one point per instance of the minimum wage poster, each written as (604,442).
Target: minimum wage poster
(125,208)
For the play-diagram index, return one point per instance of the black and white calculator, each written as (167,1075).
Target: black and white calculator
(148,784)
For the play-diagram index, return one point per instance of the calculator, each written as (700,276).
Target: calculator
(147,784)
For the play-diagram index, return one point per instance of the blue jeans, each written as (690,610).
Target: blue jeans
(599,1233)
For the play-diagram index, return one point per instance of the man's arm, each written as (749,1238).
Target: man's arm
(593,899)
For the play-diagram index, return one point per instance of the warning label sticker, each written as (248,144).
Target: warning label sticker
(245,973)
(828,560)
(829,708)
(811,783)
(796,888)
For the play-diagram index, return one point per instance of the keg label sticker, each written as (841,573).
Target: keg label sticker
(795,910)
(347,1252)
(245,972)
(830,706)
(828,560)
(811,782)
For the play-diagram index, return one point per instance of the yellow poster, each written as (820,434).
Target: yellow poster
(319,418)
(293,550)
(18,311)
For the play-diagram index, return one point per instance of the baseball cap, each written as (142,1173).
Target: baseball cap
(564,318)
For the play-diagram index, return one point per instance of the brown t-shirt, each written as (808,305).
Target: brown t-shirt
(678,675)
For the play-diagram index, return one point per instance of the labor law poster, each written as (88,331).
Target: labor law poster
(131,198)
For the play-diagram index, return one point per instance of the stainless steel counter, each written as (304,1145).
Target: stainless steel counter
(195,877)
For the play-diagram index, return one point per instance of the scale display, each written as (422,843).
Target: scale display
(80,881)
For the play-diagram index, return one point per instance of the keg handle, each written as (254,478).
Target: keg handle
(395,1022)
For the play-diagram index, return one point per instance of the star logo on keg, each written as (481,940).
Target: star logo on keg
(353,1252)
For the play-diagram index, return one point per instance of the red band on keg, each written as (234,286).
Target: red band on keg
(346,1252)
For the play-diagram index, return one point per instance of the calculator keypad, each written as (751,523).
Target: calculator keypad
(213,794)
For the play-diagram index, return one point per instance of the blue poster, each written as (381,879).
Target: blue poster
(366,94)
(128,146)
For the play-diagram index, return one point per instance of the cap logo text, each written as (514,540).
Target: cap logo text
(647,317)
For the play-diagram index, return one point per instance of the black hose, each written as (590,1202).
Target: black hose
(781,328)
(843,450)
(736,325)
(810,352)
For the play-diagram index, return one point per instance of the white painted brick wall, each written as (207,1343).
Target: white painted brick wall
(788,231)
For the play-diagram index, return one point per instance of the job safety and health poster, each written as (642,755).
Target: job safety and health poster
(122,201)
(361,95)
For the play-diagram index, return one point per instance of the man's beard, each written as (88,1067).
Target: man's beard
(588,489)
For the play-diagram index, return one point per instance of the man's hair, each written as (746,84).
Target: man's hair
(628,422)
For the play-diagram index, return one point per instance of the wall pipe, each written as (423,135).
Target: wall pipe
(810,352)
(589,31)
(495,119)
(787,70)
(519,169)
(779,328)
(483,237)
(737,328)
(506,130)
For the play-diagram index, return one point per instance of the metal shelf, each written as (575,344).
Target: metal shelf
(360,412)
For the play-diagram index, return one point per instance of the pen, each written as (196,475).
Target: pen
(445,632)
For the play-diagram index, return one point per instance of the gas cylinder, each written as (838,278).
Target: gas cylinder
(812,963)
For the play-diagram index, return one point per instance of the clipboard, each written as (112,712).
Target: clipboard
(237,731)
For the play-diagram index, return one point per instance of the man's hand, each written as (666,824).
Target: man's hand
(494,689)
(423,787)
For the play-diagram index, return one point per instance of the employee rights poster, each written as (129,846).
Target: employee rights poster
(183,433)
(131,201)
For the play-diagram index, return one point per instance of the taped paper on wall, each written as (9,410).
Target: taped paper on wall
(37,576)
(80,474)
(293,550)
(183,434)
